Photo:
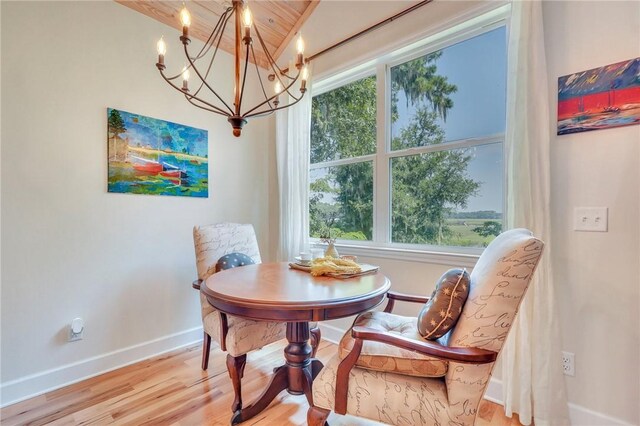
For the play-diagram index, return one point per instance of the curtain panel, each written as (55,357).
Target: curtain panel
(533,381)
(293,132)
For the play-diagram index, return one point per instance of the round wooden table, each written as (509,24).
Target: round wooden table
(274,292)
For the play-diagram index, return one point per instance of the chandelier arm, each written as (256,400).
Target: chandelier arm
(218,109)
(198,90)
(219,36)
(221,111)
(186,52)
(190,100)
(271,61)
(248,113)
(255,114)
(278,72)
(289,86)
(277,75)
(208,42)
(264,92)
(244,77)
(263,114)
(287,75)
(177,75)
(212,37)
(215,52)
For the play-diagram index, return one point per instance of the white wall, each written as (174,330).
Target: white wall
(598,168)
(596,274)
(122,262)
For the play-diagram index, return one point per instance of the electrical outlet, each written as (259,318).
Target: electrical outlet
(76,330)
(568,364)
(73,337)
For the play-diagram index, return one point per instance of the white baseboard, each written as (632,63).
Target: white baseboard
(579,415)
(36,384)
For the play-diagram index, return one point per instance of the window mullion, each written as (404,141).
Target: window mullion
(381,196)
(343,161)
(448,146)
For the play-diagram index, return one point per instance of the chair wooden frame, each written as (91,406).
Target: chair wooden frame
(317,416)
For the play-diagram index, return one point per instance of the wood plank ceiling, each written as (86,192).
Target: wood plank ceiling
(278,20)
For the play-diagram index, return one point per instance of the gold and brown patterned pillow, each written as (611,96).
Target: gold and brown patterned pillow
(441,312)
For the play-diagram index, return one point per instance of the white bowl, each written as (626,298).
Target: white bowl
(302,262)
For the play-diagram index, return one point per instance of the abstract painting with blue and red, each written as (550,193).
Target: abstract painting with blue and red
(156,157)
(599,98)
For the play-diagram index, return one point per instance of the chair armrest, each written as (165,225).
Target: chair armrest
(360,334)
(196,284)
(456,354)
(393,296)
(407,297)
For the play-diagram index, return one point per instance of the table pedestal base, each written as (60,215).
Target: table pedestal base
(296,375)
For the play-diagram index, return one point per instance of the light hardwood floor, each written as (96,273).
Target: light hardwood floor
(172,389)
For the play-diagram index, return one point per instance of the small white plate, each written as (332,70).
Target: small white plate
(299,261)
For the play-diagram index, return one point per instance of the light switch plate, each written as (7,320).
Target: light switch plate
(591,219)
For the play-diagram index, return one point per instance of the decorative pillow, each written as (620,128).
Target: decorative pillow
(441,312)
(233,260)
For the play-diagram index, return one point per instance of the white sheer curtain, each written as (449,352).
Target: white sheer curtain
(533,383)
(293,127)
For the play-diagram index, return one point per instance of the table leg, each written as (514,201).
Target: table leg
(296,376)
(277,384)
(298,356)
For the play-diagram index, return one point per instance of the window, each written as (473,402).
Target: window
(409,152)
(343,147)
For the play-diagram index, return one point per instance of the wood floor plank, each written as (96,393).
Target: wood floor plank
(16,410)
(127,404)
(172,389)
(69,409)
(486,411)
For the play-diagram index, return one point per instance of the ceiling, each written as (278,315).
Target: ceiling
(278,20)
(335,20)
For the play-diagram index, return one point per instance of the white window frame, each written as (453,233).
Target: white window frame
(381,246)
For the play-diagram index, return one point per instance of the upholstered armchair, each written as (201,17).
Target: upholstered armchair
(235,335)
(387,372)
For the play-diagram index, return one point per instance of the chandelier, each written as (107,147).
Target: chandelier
(203,95)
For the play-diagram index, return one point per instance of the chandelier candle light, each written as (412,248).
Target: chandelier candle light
(204,96)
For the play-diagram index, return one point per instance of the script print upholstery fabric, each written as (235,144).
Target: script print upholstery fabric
(211,243)
(386,397)
(498,283)
(244,335)
(383,357)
